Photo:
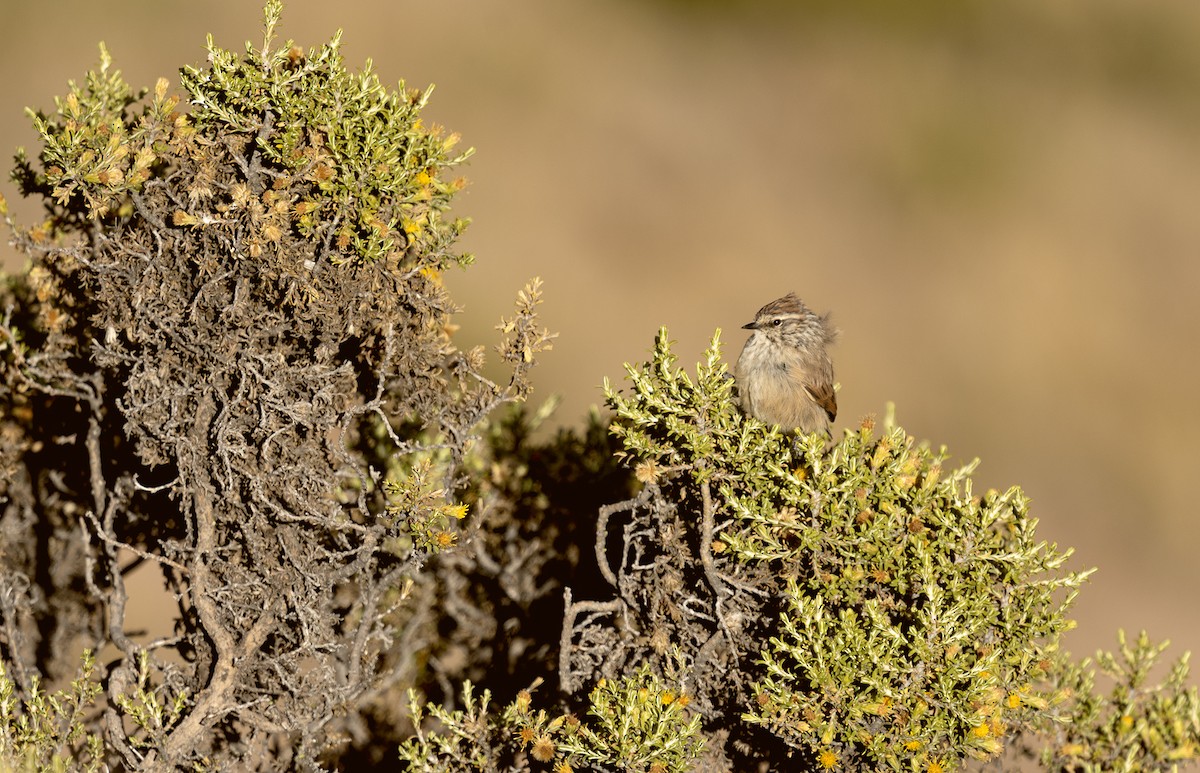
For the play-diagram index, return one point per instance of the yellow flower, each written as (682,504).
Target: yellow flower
(827,759)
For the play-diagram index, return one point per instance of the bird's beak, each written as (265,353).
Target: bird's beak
(750,326)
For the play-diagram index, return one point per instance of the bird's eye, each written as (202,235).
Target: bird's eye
(777,322)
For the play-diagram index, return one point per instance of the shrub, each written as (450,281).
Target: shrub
(856,606)
(232,358)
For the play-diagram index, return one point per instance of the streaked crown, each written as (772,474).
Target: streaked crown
(787,319)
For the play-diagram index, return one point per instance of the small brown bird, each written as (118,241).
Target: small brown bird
(784,374)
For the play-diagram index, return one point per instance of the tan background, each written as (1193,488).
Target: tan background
(999,202)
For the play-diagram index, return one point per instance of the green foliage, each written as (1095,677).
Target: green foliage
(920,615)
(49,732)
(150,708)
(417,502)
(669,421)
(465,743)
(637,724)
(1137,727)
(919,619)
(351,164)
(97,146)
(369,171)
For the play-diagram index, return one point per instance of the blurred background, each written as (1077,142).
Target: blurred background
(998,201)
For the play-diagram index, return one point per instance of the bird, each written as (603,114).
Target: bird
(784,374)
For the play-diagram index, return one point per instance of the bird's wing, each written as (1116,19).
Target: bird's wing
(823,395)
